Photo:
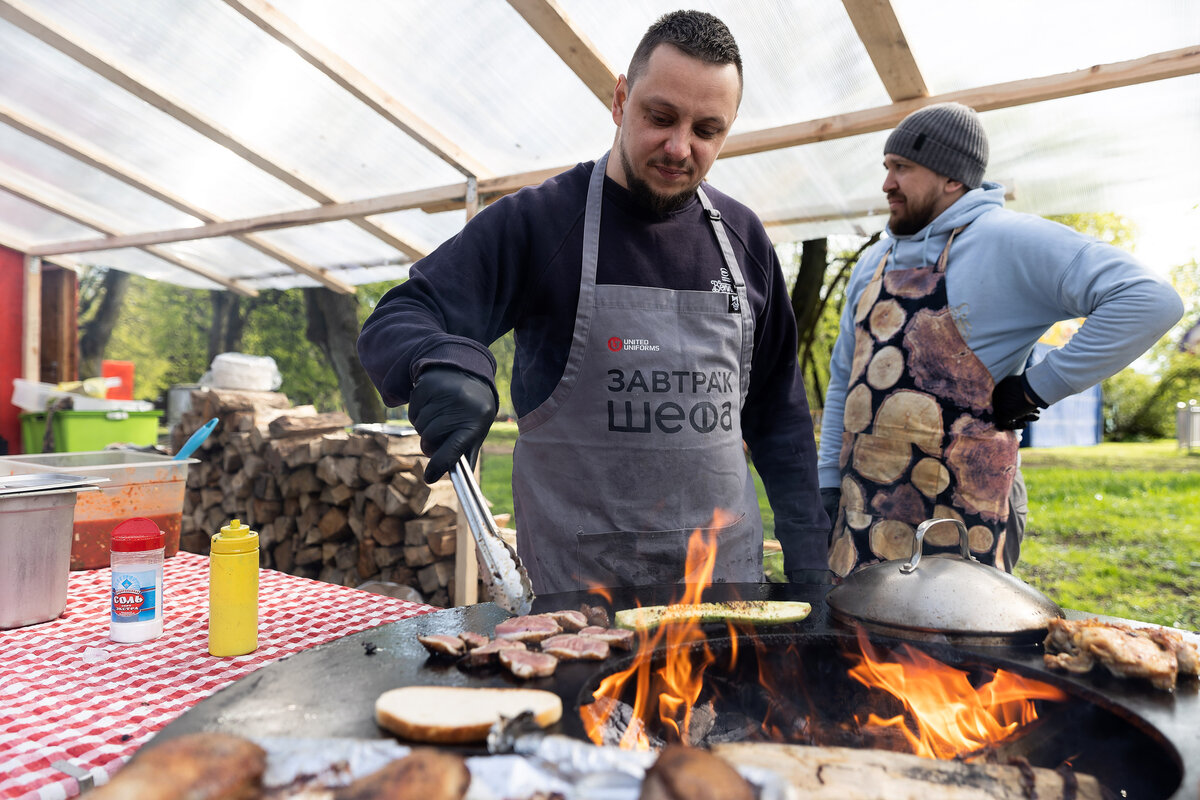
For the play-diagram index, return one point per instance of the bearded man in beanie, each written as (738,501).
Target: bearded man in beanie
(927,385)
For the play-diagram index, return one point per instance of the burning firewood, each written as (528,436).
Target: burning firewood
(841,773)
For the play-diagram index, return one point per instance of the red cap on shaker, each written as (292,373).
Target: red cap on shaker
(137,534)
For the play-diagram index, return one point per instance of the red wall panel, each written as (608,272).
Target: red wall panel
(12,312)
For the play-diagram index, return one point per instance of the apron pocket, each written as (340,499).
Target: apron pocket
(644,558)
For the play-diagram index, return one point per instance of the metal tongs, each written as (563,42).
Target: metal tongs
(505,576)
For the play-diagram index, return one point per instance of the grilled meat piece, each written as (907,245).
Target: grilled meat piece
(197,766)
(596,615)
(424,774)
(443,644)
(526,664)
(619,638)
(1156,654)
(531,628)
(572,646)
(472,639)
(570,620)
(486,654)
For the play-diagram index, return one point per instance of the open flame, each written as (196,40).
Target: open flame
(952,717)
(945,714)
(674,687)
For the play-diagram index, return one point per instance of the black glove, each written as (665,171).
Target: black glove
(819,576)
(1011,407)
(452,410)
(831,497)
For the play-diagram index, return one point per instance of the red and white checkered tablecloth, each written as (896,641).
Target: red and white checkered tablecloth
(68,694)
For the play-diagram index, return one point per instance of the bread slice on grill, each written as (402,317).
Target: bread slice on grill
(457,714)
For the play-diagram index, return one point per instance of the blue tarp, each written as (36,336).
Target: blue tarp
(1074,420)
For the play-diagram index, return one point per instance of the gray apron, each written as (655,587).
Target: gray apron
(640,443)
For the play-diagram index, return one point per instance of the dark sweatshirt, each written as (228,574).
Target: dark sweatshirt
(516,266)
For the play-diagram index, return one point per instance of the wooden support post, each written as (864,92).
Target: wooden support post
(31,323)
(466,561)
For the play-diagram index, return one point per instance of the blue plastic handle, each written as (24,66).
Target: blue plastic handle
(196,439)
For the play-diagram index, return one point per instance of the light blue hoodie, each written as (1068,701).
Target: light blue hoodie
(1009,278)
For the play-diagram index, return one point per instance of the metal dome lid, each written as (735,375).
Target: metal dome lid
(943,597)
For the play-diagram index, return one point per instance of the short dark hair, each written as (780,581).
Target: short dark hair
(696,33)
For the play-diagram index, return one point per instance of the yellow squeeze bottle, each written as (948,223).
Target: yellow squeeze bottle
(233,591)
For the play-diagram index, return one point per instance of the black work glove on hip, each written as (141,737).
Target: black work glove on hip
(831,498)
(453,411)
(1011,408)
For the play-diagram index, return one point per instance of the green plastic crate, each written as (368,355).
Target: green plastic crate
(76,431)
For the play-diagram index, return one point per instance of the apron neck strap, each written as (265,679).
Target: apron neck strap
(943,258)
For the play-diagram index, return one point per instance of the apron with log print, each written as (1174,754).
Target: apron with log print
(918,441)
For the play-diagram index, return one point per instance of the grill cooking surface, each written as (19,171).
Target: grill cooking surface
(330,690)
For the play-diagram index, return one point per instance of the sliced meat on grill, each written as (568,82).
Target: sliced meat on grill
(526,664)
(572,646)
(486,654)
(443,644)
(472,639)
(620,638)
(532,628)
(570,620)
(596,615)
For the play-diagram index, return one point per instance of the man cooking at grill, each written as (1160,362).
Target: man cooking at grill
(927,384)
(654,334)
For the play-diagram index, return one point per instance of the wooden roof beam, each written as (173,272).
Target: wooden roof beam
(877,27)
(448,197)
(1170,64)
(285,30)
(44,199)
(852,209)
(557,30)
(126,175)
(45,30)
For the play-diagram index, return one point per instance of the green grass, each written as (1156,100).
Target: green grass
(1113,529)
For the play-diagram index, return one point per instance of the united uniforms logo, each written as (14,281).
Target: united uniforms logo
(616,343)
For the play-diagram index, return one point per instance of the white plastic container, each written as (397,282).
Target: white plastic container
(136,609)
(244,372)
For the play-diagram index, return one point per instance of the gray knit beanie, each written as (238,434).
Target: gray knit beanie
(947,138)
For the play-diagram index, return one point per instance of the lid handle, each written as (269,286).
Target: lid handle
(963,542)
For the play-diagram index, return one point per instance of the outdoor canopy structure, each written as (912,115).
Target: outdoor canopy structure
(245,145)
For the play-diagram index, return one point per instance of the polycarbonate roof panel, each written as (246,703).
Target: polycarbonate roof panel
(474,70)
(282,107)
(963,45)
(799,61)
(102,197)
(332,243)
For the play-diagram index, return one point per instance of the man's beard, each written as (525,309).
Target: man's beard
(647,198)
(917,215)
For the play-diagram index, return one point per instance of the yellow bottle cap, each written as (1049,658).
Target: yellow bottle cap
(235,538)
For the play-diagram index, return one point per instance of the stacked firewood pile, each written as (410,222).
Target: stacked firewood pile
(341,506)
